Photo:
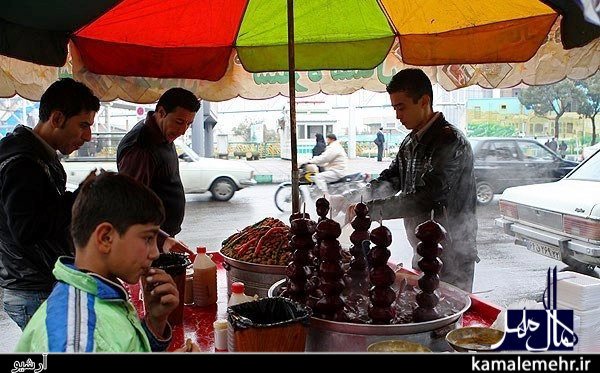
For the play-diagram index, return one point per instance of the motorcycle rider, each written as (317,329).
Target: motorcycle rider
(334,160)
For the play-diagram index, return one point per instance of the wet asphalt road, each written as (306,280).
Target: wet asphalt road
(505,274)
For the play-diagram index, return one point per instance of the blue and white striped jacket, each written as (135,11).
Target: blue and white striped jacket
(87,313)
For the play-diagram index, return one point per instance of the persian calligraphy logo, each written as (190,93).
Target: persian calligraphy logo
(23,366)
(540,330)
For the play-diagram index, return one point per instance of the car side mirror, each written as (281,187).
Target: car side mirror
(185,157)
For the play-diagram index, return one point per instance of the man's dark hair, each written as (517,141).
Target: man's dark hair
(69,97)
(175,97)
(413,82)
(331,136)
(116,199)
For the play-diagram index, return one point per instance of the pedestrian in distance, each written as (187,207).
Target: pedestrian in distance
(36,207)
(562,148)
(320,146)
(379,141)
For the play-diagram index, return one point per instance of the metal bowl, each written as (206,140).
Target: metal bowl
(397,346)
(474,338)
(257,278)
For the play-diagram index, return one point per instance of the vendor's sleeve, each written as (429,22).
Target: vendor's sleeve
(447,163)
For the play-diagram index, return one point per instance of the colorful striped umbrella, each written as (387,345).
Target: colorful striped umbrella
(195,38)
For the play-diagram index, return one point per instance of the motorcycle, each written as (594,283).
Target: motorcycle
(309,192)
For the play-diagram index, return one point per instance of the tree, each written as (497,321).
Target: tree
(248,129)
(243,130)
(556,98)
(490,130)
(591,105)
(270,135)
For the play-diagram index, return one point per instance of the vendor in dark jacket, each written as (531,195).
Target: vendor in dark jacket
(433,170)
(147,154)
(36,208)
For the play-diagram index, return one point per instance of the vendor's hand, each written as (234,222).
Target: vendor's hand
(189,346)
(160,298)
(89,178)
(173,245)
(337,204)
(350,213)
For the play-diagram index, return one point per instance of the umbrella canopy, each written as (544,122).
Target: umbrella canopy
(194,39)
(217,48)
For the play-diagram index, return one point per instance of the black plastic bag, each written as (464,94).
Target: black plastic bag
(268,312)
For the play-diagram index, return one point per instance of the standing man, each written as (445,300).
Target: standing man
(563,148)
(379,141)
(433,170)
(36,208)
(147,154)
(553,144)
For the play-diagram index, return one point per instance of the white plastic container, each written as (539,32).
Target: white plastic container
(238,296)
(577,291)
(205,279)
(220,328)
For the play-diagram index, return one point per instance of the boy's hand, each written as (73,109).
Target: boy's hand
(161,298)
(189,346)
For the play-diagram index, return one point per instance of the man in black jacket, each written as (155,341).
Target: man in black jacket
(380,141)
(433,170)
(147,154)
(36,208)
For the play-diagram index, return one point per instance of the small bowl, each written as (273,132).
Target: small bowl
(474,338)
(397,346)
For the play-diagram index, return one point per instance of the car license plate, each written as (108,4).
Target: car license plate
(543,249)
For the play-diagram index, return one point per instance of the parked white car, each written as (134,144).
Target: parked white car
(222,178)
(560,220)
(589,150)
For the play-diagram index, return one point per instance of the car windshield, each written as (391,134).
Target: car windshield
(184,149)
(589,170)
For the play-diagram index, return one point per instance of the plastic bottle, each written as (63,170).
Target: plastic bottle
(237,295)
(205,279)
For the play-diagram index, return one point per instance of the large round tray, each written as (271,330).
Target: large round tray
(326,335)
(460,297)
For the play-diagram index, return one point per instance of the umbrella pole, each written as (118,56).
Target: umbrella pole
(292,94)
